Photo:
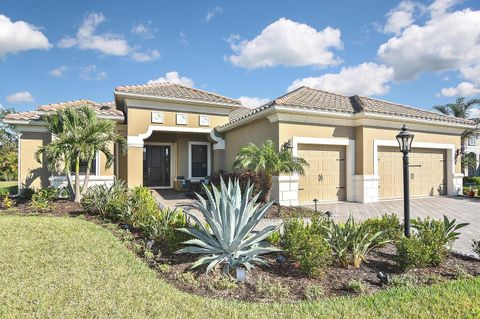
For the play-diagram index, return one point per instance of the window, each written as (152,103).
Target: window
(472,141)
(83,167)
(199,160)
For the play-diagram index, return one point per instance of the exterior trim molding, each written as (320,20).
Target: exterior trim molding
(138,140)
(452,184)
(219,142)
(177,100)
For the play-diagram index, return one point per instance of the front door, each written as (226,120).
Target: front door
(156,166)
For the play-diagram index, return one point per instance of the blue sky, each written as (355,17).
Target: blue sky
(418,53)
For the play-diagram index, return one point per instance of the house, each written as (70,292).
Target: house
(176,132)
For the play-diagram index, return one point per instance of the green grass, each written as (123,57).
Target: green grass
(52,267)
(12,186)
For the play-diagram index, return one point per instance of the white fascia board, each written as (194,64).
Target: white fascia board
(175,100)
(247,119)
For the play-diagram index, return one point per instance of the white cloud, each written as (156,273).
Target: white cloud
(86,38)
(144,30)
(364,79)
(462,89)
(448,41)
(147,56)
(106,43)
(59,72)
(440,7)
(286,42)
(212,13)
(252,102)
(474,113)
(400,18)
(90,72)
(20,36)
(183,38)
(20,97)
(174,77)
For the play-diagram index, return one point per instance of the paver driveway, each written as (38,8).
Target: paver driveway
(465,210)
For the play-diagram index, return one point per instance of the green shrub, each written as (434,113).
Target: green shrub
(222,283)
(164,268)
(476,246)
(162,226)
(413,253)
(143,206)
(27,193)
(271,289)
(275,238)
(306,246)
(389,225)
(355,286)
(471,180)
(43,199)
(110,202)
(4,192)
(430,245)
(189,279)
(313,292)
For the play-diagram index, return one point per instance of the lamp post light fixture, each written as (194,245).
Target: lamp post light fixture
(405,139)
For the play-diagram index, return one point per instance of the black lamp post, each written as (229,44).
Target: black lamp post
(405,139)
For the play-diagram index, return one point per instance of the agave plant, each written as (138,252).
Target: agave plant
(227,238)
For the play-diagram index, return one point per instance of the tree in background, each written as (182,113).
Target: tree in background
(461,109)
(77,136)
(8,147)
(267,159)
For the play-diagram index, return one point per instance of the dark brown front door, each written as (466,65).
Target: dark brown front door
(156,166)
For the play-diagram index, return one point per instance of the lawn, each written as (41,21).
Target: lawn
(12,186)
(63,267)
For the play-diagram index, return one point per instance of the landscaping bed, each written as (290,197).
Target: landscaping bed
(281,279)
(284,212)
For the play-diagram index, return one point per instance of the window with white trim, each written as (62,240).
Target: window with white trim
(472,140)
(199,160)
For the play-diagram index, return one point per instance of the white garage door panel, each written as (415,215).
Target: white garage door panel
(427,172)
(325,177)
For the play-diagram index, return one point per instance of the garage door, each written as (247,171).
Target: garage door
(427,172)
(325,176)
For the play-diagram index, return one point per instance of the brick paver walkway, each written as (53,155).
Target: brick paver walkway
(464,210)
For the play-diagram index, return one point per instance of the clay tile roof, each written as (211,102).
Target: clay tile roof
(313,99)
(106,109)
(176,91)
(239,113)
(371,105)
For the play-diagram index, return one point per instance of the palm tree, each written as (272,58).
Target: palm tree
(267,159)
(77,135)
(461,109)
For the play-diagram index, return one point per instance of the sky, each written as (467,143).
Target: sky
(418,53)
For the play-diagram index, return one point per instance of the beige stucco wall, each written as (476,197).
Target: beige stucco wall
(140,119)
(31,173)
(369,134)
(135,166)
(289,130)
(103,160)
(254,132)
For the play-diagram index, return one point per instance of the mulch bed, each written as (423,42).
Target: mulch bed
(284,280)
(278,211)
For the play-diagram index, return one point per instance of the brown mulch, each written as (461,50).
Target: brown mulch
(284,274)
(278,211)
